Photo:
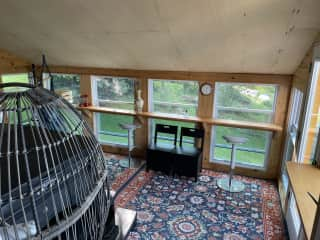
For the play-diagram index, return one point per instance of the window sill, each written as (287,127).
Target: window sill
(238,164)
(210,121)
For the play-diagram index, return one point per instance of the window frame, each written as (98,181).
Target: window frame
(273,111)
(94,90)
(269,134)
(150,95)
(96,128)
(240,164)
(96,116)
(48,83)
(151,130)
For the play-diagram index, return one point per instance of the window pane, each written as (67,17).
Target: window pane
(168,139)
(175,97)
(108,129)
(67,82)
(253,152)
(245,102)
(15,78)
(115,92)
(21,78)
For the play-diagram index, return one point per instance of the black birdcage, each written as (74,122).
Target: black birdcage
(53,177)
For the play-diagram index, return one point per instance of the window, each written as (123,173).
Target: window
(108,129)
(16,77)
(20,77)
(117,93)
(168,139)
(67,82)
(245,102)
(252,153)
(173,97)
(114,92)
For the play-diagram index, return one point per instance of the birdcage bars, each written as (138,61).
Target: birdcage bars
(52,169)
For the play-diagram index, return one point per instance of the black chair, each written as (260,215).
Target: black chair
(188,159)
(160,155)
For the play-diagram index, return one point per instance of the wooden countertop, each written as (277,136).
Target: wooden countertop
(305,178)
(210,121)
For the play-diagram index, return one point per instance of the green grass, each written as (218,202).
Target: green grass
(110,122)
(256,139)
(9,78)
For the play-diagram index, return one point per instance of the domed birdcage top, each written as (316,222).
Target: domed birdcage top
(53,175)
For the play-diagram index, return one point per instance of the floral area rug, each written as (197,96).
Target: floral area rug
(172,208)
(118,176)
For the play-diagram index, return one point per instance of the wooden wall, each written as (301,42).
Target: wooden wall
(205,107)
(13,64)
(10,63)
(302,74)
(301,79)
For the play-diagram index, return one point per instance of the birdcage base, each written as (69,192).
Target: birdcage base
(236,186)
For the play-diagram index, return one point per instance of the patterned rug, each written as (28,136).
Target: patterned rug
(171,208)
(118,175)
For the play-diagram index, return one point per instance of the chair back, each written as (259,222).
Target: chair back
(168,129)
(195,133)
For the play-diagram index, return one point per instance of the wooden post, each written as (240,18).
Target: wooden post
(86,88)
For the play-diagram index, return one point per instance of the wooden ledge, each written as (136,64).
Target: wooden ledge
(108,110)
(243,124)
(173,117)
(305,178)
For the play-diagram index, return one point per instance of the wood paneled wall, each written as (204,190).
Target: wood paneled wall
(301,79)
(302,74)
(205,108)
(10,63)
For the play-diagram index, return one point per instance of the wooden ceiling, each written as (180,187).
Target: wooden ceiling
(270,36)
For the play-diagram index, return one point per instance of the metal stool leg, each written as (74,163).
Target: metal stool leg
(131,128)
(127,161)
(228,183)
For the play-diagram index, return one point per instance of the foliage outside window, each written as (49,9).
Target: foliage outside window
(252,153)
(67,82)
(117,93)
(174,97)
(108,129)
(245,102)
(114,92)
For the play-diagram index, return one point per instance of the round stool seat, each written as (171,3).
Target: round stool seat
(128,126)
(235,140)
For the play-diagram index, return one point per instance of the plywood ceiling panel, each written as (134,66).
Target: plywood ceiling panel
(208,35)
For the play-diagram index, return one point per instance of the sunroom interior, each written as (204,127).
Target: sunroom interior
(247,70)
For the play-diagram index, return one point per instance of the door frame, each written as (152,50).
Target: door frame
(309,100)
